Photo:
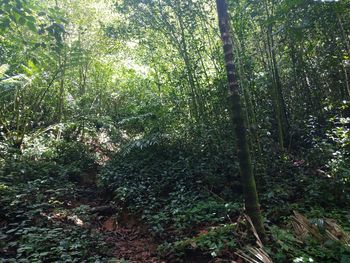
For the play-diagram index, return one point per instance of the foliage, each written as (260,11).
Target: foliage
(135,90)
(290,247)
(30,195)
(163,186)
(215,242)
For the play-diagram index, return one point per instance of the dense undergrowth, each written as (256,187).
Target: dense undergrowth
(193,206)
(39,204)
(189,200)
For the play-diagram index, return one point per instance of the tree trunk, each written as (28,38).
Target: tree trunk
(248,181)
(277,96)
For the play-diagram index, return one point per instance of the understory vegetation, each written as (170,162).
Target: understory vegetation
(130,131)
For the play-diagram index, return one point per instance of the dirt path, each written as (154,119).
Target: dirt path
(129,240)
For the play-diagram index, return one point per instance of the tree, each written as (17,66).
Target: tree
(237,115)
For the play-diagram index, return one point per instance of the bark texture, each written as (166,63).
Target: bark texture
(248,181)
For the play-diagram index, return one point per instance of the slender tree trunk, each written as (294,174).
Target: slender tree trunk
(248,180)
(61,91)
(191,79)
(346,80)
(276,92)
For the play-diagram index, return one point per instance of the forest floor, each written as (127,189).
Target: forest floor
(53,218)
(127,239)
(52,212)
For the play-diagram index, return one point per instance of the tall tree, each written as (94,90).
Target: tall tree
(248,180)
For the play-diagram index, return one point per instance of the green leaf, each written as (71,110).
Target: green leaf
(22,20)
(31,18)
(11,231)
(32,26)
(5,23)
(3,69)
